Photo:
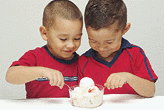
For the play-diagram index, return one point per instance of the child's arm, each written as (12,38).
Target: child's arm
(142,86)
(24,74)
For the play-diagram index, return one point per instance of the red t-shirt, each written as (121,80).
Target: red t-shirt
(41,88)
(129,58)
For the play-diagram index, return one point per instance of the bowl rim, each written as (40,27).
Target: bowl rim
(72,87)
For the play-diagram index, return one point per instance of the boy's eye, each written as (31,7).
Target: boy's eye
(63,39)
(109,42)
(93,41)
(77,38)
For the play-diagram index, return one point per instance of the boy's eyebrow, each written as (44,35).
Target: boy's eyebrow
(91,39)
(110,40)
(63,34)
(68,34)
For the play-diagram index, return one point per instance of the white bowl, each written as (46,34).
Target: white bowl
(89,100)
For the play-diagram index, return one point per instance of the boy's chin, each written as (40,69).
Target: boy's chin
(103,55)
(68,57)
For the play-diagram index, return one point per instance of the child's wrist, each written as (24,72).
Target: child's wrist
(129,77)
(42,72)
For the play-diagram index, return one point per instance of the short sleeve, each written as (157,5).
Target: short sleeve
(142,66)
(28,59)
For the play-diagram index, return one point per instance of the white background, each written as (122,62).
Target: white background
(19,32)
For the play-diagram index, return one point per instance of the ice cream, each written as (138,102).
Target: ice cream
(86,82)
(87,94)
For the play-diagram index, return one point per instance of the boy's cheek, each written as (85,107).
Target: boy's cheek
(93,46)
(115,47)
(77,45)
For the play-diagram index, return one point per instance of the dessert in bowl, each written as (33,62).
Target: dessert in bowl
(87,94)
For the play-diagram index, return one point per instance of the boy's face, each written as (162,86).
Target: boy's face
(106,41)
(64,38)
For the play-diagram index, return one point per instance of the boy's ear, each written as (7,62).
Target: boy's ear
(43,32)
(127,27)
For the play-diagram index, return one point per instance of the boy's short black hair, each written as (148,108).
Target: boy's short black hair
(103,13)
(60,8)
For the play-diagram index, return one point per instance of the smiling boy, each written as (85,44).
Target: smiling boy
(57,60)
(112,60)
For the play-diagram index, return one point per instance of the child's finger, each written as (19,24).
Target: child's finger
(113,83)
(117,83)
(105,84)
(51,81)
(121,83)
(62,83)
(59,80)
(55,79)
(108,84)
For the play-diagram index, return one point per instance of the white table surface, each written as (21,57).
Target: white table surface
(113,101)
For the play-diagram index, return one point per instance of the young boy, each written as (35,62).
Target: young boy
(56,61)
(112,60)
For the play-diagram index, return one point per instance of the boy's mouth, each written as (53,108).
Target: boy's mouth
(68,51)
(102,52)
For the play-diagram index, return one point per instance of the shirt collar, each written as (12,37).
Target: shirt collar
(76,56)
(125,44)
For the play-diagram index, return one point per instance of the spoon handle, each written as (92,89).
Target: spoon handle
(67,85)
(65,79)
(45,79)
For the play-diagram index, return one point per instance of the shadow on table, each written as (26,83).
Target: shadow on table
(121,98)
(44,100)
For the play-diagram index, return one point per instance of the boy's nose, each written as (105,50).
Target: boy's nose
(70,45)
(101,49)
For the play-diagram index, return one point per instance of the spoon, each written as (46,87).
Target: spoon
(67,86)
(45,79)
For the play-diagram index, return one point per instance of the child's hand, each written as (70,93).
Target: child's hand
(116,80)
(55,77)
